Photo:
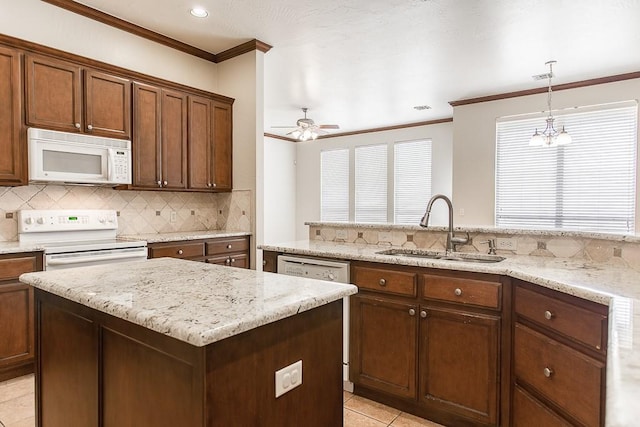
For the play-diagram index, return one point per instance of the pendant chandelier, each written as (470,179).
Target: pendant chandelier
(550,137)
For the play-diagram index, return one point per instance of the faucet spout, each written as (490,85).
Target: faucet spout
(452,241)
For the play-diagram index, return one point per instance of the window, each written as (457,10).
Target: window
(588,185)
(412,170)
(379,183)
(371,183)
(334,185)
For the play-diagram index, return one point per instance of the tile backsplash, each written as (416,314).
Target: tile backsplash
(610,249)
(139,211)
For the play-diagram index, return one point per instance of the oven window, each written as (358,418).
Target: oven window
(64,161)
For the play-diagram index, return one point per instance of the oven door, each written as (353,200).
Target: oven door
(98,257)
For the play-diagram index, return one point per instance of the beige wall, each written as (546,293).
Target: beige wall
(308,167)
(42,23)
(474,138)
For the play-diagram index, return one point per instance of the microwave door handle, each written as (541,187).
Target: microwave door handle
(111,159)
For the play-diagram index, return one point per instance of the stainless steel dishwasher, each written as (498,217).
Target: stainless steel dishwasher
(332,271)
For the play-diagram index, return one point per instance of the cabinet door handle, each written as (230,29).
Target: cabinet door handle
(214,185)
(164,183)
(412,312)
(423,314)
(89,127)
(159,183)
(547,372)
(209,184)
(382,282)
(458,292)
(180,252)
(548,315)
(77,125)
(227,261)
(264,262)
(229,246)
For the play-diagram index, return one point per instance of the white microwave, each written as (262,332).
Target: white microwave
(77,159)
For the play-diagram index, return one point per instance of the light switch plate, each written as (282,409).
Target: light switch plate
(288,378)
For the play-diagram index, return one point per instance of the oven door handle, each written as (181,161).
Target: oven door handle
(91,259)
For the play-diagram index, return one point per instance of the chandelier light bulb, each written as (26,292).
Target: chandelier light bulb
(550,137)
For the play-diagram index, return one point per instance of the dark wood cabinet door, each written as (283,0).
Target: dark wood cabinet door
(383,345)
(200,143)
(13,170)
(270,261)
(459,363)
(107,105)
(53,94)
(174,139)
(223,146)
(146,136)
(16,324)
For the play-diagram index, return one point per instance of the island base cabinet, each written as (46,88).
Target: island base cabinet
(97,370)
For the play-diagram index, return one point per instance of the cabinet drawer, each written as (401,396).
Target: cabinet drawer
(561,374)
(178,250)
(529,412)
(580,324)
(225,246)
(387,281)
(463,291)
(11,268)
(237,260)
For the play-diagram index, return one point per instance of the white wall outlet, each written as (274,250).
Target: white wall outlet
(384,236)
(461,212)
(172,216)
(506,244)
(342,234)
(288,378)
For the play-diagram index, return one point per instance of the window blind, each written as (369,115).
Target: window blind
(371,183)
(588,185)
(334,182)
(412,177)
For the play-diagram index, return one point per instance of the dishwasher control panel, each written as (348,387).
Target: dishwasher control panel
(313,268)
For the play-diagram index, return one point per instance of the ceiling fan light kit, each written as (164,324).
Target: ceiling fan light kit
(550,137)
(307,129)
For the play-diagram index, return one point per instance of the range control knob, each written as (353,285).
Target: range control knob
(40,220)
(28,220)
(331,276)
(102,220)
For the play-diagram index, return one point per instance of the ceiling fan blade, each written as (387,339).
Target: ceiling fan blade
(329,127)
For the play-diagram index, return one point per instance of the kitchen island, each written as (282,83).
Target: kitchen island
(168,342)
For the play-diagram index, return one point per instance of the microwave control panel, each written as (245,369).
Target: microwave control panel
(121,162)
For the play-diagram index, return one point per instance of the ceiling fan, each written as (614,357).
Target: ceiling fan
(306,128)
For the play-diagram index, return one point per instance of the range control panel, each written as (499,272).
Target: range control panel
(36,221)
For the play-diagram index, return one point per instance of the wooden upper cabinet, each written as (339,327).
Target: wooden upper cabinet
(57,99)
(53,94)
(200,143)
(223,145)
(12,153)
(174,139)
(107,105)
(146,136)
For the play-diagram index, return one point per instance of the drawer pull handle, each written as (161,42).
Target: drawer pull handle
(382,282)
(264,262)
(180,251)
(412,312)
(458,292)
(547,372)
(423,314)
(229,246)
(548,315)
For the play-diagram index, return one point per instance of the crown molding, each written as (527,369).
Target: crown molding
(371,130)
(565,86)
(139,31)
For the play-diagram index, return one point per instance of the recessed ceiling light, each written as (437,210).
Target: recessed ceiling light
(421,107)
(199,12)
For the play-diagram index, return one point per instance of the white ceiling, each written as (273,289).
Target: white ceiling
(366,63)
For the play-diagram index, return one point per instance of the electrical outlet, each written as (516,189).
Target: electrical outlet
(341,234)
(384,236)
(288,378)
(506,244)
(172,216)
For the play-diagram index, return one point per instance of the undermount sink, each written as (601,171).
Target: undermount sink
(455,256)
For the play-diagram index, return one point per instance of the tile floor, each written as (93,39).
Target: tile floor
(17,409)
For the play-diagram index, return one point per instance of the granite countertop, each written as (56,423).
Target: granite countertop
(183,235)
(194,302)
(614,285)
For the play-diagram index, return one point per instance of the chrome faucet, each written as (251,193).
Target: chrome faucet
(452,241)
